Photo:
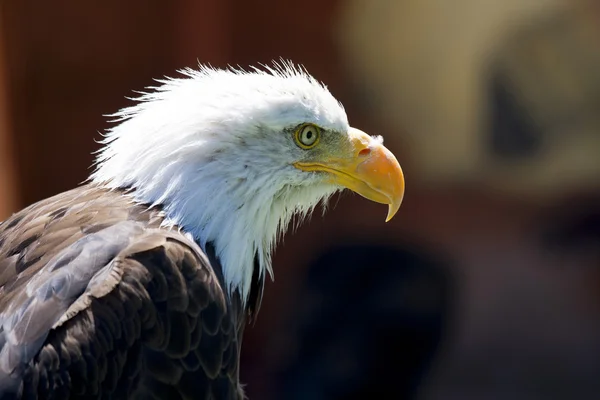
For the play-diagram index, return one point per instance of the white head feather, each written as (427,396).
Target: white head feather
(214,148)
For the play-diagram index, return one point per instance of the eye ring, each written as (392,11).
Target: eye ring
(307,136)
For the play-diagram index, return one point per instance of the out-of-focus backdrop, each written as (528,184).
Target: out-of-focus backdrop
(486,285)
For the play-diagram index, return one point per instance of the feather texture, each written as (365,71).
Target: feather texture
(138,284)
(119,308)
(221,139)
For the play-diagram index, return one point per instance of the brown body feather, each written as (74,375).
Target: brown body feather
(97,300)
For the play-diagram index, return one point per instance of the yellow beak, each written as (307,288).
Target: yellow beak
(370,170)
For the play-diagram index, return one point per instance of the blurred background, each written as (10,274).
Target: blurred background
(486,285)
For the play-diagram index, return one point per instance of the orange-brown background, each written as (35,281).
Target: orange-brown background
(416,73)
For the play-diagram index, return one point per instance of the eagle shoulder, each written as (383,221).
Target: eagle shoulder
(97,299)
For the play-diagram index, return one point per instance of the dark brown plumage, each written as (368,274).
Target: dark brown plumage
(96,300)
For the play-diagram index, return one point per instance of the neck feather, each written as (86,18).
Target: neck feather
(210,150)
(243,221)
(242,208)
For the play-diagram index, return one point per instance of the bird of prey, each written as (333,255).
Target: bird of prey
(138,283)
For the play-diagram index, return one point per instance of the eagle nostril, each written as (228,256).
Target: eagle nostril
(364,152)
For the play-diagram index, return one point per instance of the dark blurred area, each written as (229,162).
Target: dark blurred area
(486,285)
(374,334)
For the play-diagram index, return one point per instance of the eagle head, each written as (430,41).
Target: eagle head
(231,156)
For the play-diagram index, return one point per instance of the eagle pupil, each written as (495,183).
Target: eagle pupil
(309,134)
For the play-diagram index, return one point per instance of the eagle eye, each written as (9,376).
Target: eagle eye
(307,136)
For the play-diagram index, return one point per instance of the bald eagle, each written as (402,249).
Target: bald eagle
(138,283)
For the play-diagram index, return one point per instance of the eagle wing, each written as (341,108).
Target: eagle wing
(97,300)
